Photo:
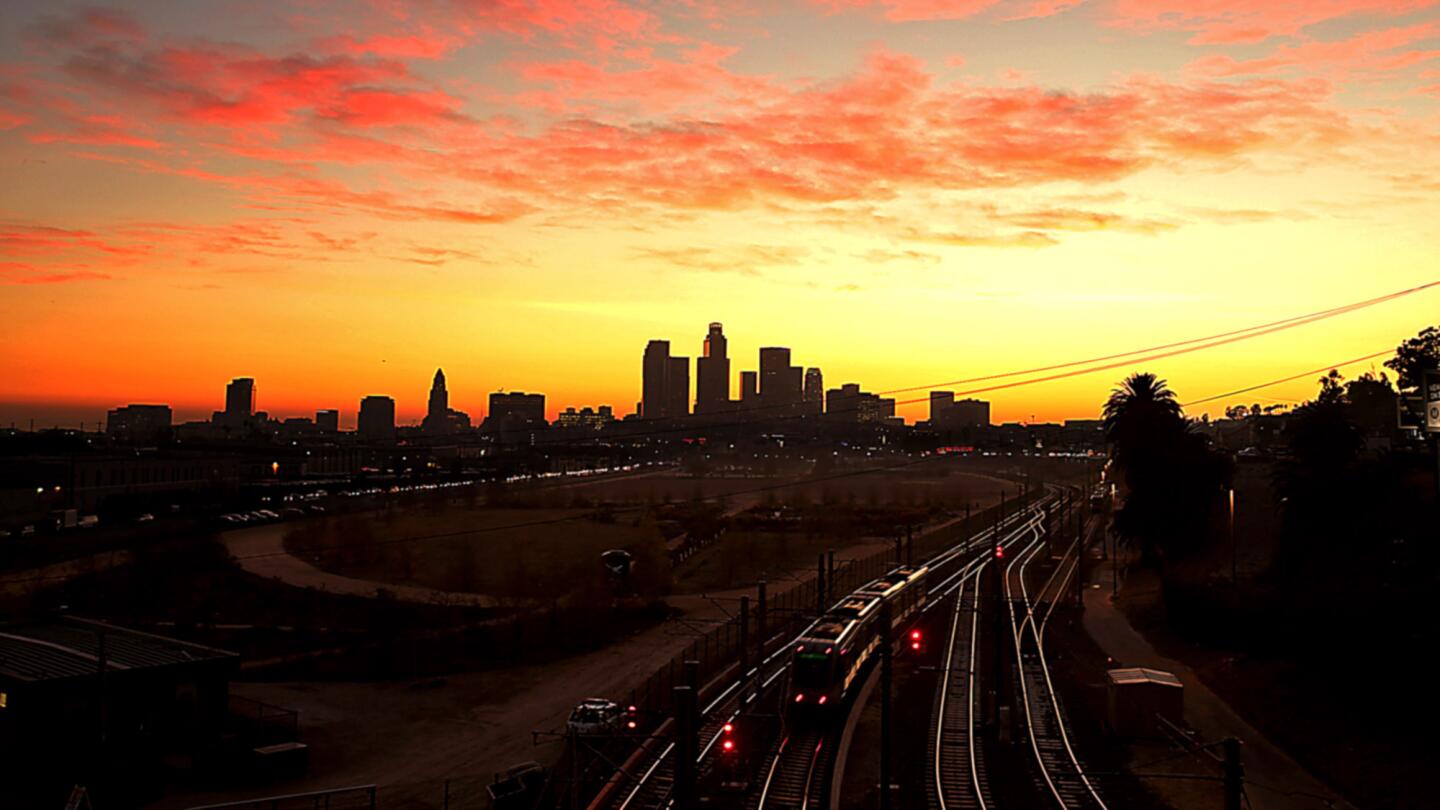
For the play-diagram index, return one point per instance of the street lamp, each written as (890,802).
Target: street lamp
(1234,549)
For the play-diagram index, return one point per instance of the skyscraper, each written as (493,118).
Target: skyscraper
(376,422)
(712,373)
(677,387)
(654,373)
(239,401)
(749,389)
(814,394)
(941,404)
(781,384)
(665,383)
(439,397)
(440,419)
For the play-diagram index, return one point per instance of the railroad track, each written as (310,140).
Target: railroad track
(958,758)
(799,773)
(1061,775)
(653,787)
(959,761)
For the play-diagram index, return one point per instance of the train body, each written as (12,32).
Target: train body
(829,656)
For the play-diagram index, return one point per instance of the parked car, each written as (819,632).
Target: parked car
(594,716)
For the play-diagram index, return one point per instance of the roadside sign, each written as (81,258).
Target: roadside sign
(1432,401)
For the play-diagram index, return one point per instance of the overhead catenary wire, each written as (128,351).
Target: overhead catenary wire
(1302,375)
(677,425)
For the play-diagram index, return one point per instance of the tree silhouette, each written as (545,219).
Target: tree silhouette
(1172,477)
(1416,356)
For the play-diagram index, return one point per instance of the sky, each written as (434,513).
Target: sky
(336,198)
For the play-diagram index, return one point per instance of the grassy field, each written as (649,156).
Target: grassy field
(543,543)
(521,553)
(815,518)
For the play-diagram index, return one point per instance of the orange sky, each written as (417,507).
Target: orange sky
(340,198)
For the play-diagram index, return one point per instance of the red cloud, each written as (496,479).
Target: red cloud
(907,10)
(58,278)
(1246,21)
(427,45)
(1369,52)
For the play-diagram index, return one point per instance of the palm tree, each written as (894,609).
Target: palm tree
(1139,412)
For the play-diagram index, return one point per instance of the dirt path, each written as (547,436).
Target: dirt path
(1275,781)
(261,550)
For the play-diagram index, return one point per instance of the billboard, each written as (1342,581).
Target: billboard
(1431,390)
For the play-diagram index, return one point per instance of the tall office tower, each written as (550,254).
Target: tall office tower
(677,387)
(781,384)
(749,389)
(327,421)
(437,416)
(814,394)
(655,372)
(439,397)
(376,422)
(712,374)
(239,400)
(942,404)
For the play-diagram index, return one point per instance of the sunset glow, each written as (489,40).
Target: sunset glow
(337,198)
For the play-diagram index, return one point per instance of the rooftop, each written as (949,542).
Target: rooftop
(1134,675)
(69,647)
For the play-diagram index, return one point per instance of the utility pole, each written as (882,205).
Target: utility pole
(830,568)
(885,676)
(820,584)
(909,545)
(1234,771)
(760,617)
(744,638)
(1082,568)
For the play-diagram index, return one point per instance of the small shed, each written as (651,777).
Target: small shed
(1136,696)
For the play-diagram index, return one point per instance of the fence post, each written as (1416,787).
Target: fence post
(760,616)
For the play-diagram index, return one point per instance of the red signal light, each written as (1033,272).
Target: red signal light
(914,635)
(800,698)
(728,746)
(729,728)
(914,645)
(999,552)
(630,724)
(824,698)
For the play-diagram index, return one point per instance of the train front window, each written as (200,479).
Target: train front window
(812,670)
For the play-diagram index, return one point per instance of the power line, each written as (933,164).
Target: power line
(1298,320)
(1301,375)
(1153,353)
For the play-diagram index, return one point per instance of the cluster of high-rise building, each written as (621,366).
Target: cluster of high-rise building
(778,388)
